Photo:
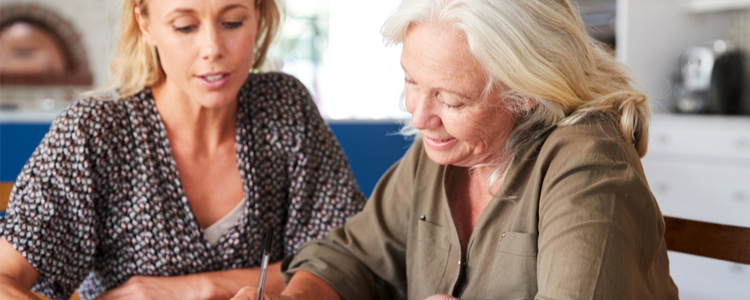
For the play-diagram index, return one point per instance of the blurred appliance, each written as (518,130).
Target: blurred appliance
(711,79)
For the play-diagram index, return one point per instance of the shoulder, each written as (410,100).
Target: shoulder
(588,155)
(589,152)
(275,79)
(270,83)
(275,94)
(590,141)
(95,113)
(85,111)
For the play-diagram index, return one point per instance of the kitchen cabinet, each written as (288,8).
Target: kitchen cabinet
(698,167)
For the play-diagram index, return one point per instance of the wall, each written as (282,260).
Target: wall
(651,34)
(98,30)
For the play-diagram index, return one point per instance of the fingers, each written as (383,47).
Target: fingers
(247,293)
(251,293)
(440,297)
(134,288)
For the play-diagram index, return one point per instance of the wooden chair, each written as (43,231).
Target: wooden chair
(725,242)
(5,188)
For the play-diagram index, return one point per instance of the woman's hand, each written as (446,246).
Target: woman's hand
(147,287)
(251,293)
(304,285)
(211,285)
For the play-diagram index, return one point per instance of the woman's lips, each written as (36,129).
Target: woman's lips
(214,81)
(439,143)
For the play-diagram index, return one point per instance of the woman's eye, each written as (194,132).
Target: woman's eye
(451,105)
(447,104)
(232,25)
(409,81)
(185,29)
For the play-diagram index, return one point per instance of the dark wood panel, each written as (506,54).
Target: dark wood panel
(718,241)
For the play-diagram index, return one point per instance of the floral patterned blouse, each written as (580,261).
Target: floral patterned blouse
(100,200)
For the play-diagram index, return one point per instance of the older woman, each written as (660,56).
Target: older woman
(164,191)
(525,182)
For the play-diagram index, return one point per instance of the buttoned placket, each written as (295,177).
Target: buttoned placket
(456,271)
(460,271)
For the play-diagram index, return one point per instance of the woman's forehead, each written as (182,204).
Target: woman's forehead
(199,6)
(443,49)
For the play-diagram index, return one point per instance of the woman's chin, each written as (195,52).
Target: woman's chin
(440,157)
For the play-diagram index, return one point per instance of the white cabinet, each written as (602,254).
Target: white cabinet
(698,168)
(704,6)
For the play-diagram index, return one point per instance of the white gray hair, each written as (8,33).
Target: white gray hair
(536,51)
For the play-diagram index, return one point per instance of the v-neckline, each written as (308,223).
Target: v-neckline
(483,216)
(182,197)
(507,189)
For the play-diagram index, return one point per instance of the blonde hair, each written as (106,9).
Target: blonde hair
(136,63)
(537,51)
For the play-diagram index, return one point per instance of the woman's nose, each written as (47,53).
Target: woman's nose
(211,44)
(423,112)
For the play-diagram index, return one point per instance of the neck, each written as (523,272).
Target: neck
(189,124)
(477,178)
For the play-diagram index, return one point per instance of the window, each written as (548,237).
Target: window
(335,48)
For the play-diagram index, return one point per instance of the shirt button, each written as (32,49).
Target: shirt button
(422,217)
(503,234)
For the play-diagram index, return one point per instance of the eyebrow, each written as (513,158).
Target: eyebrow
(462,95)
(457,94)
(192,11)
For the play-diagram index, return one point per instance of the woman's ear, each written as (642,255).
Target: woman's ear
(143,25)
(257,11)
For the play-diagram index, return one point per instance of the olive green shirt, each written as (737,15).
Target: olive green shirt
(581,223)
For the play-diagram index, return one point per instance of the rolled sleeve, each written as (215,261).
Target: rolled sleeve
(323,192)
(51,217)
(366,258)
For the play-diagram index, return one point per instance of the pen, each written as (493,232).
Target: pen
(267,240)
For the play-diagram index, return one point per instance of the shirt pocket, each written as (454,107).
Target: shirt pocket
(429,261)
(513,274)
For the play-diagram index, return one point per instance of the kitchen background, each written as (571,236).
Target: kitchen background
(685,53)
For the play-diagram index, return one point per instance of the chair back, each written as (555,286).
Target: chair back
(725,242)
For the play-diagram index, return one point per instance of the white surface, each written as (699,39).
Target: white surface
(701,6)
(361,77)
(700,278)
(622,34)
(700,191)
(27,116)
(698,167)
(702,137)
